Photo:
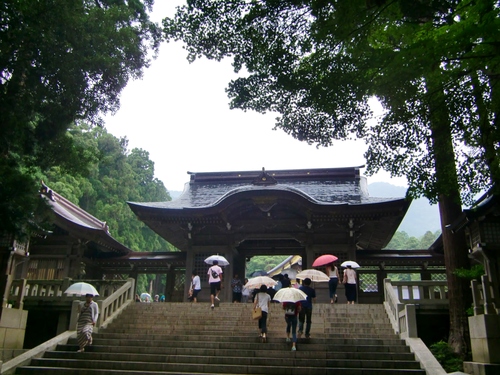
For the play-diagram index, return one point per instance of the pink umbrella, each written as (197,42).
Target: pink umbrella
(324,259)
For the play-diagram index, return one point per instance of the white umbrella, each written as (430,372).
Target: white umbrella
(291,272)
(256,282)
(146,295)
(314,275)
(82,289)
(219,258)
(351,263)
(290,295)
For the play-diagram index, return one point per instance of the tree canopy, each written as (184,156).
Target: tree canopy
(115,176)
(317,64)
(402,241)
(433,65)
(61,62)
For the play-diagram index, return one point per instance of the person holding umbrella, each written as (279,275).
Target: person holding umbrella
(333,272)
(305,314)
(89,311)
(291,299)
(215,281)
(350,284)
(262,300)
(291,311)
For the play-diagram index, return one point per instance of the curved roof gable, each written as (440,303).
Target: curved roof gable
(331,186)
(72,218)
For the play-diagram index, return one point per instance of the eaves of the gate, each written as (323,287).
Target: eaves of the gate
(320,206)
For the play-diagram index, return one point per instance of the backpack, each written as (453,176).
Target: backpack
(290,309)
(215,275)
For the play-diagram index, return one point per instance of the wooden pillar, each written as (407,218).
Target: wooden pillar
(189,270)
(157,285)
(170,284)
(133,274)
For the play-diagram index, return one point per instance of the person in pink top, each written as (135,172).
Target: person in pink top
(215,280)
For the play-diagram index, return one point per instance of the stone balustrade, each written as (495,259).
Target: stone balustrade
(23,291)
(402,297)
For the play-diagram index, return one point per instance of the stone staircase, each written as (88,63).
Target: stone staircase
(183,338)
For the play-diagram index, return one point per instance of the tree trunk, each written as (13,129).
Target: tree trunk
(454,244)
(459,294)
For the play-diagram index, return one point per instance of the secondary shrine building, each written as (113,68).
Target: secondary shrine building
(306,212)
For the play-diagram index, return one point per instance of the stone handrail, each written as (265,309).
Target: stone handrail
(401,298)
(403,317)
(483,297)
(110,307)
(392,305)
(9,367)
(422,292)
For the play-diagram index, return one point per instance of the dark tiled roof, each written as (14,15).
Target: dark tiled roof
(72,218)
(335,186)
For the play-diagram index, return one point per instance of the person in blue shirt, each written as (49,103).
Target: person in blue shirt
(305,313)
(237,287)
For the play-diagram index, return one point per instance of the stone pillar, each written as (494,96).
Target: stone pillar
(485,342)
(13,328)
(62,322)
(4,267)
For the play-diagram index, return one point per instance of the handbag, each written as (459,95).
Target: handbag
(257,313)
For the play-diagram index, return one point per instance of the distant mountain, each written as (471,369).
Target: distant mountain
(421,216)
(175,194)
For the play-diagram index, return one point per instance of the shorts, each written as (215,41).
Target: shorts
(214,287)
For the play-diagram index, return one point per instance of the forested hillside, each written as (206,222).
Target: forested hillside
(421,216)
(115,175)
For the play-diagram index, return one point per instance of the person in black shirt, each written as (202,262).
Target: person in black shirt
(305,313)
(285,283)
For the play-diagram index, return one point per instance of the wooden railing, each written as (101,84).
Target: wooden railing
(402,297)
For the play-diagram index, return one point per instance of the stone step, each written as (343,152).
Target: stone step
(275,349)
(199,341)
(326,333)
(220,337)
(279,351)
(182,338)
(263,370)
(224,365)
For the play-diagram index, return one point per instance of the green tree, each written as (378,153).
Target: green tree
(432,65)
(115,177)
(402,241)
(263,263)
(61,62)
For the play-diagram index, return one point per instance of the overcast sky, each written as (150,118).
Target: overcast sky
(179,113)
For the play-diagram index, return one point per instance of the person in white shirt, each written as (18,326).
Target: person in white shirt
(262,300)
(195,286)
(215,281)
(350,285)
(333,272)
